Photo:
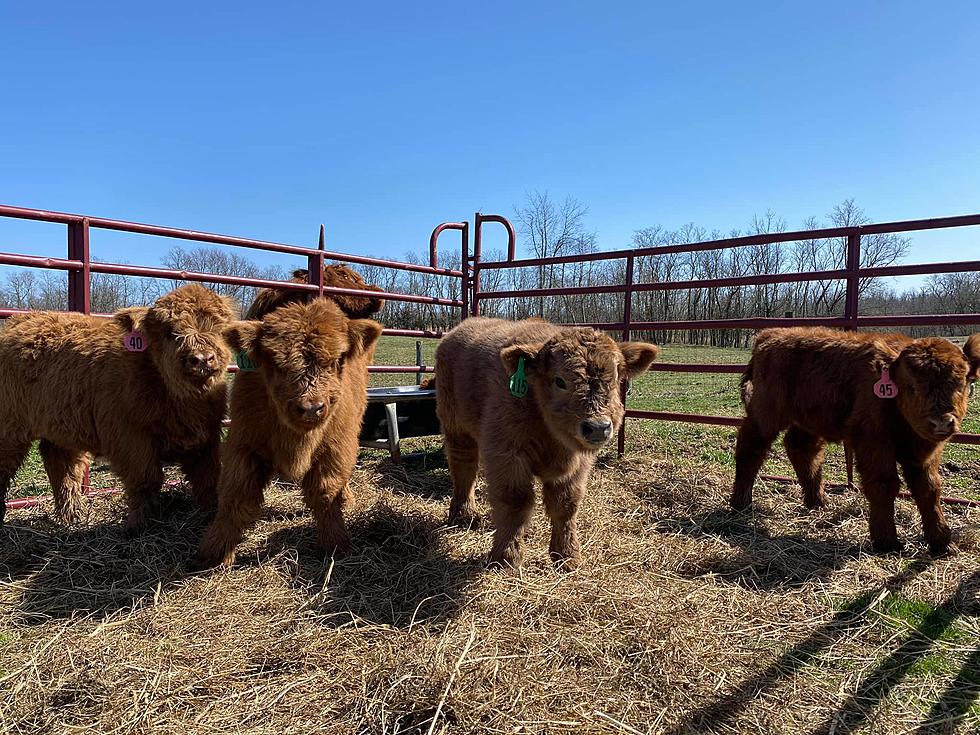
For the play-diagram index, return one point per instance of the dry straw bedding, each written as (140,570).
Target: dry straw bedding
(684,618)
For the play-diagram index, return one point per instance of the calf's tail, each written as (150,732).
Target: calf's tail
(745,384)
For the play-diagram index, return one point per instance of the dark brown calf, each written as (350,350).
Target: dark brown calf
(895,400)
(298,415)
(569,410)
(141,388)
(337,276)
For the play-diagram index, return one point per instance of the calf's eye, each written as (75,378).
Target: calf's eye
(559,383)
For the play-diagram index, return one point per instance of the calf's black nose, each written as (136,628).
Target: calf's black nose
(596,431)
(199,359)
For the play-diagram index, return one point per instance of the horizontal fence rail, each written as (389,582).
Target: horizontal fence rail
(852,274)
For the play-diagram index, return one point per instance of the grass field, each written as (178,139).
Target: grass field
(685,618)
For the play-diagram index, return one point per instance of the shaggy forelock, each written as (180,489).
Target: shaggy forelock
(191,308)
(589,354)
(298,334)
(937,358)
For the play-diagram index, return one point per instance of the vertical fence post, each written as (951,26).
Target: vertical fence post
(79,281)
(627,320)
(464,262)
(314,263)
(80,290)
(477,254)
(851,314)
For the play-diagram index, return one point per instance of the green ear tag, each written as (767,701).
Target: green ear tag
(245,363)
(518,381)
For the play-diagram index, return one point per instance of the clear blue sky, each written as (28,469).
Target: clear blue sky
(381,120)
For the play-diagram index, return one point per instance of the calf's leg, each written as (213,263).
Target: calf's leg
(805,451)
(925,486)
(879,481)
(142,478)
(325,493)
(561,501)
(510,490)
(66,471)
(202,470)
(12,454)
(240,498)
(464,461)
(751,447)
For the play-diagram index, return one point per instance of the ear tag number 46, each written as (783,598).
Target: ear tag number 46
(886,388)
(135,341)
(518,381)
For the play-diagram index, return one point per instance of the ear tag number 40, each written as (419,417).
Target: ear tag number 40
(135,341)
(518,381)
(886,388)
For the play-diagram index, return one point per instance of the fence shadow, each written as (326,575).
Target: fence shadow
(399,573)
(95,569)
(724,710)
(889,673)
(424,474)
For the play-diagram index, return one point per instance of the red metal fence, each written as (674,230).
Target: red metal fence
(80,266)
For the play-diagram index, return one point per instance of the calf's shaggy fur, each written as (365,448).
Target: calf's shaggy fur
(555,432)
(818,385)
(298,415)
(337,276)
(68,380)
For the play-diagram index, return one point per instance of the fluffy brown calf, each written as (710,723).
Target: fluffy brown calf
(824,385)
(68,380)
(337,276)
(298,415)
(571,408)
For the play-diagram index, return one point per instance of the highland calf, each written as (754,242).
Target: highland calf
(336,276)
(144,387)
(893,399)
(529,399)
(298,415)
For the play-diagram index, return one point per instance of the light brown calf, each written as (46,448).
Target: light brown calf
(298,415)
(571,408)
(70,381)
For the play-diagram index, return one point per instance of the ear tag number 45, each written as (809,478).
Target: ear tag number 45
(886,388)
(135,341)
(518,381)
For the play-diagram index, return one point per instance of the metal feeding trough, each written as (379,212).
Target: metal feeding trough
(397,413)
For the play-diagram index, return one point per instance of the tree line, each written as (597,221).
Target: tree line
(550,228)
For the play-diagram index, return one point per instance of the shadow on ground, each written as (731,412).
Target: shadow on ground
(64,573)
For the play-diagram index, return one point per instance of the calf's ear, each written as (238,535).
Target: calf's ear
(638,357)
(242,336)
(510,356)
(362,333)
(972,351)
(132,318)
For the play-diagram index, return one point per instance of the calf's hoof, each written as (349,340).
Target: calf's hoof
(465,517)
(740,501)
(69,517)
(939,550)
(887,545)
(566,563)
(508,559)
(816,502)
(204,560)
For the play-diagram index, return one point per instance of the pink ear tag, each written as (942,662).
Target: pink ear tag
(135,342)
(886,388)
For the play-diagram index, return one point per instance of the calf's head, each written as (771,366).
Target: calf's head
(183,336)
(574,379)
(336,276)
(302,351)
(933,378)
